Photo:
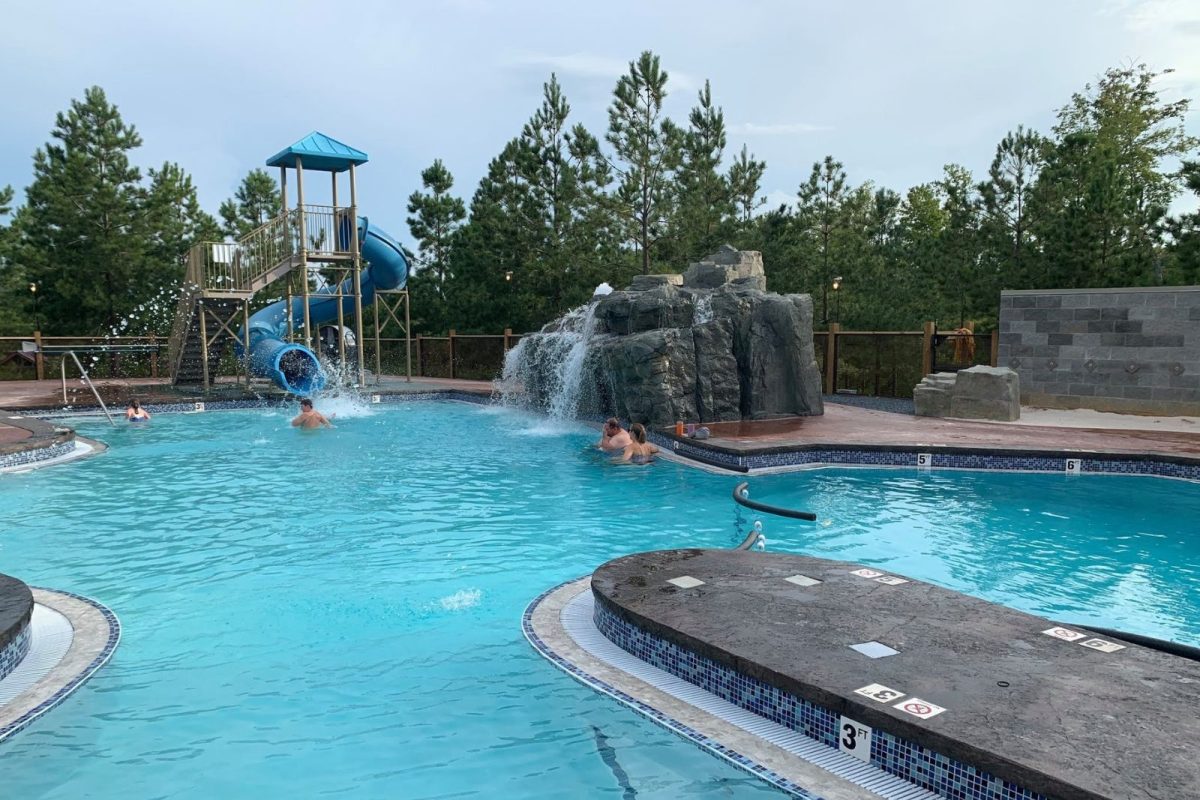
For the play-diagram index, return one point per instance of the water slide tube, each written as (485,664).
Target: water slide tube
(293,367)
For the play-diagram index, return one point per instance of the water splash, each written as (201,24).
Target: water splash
(461,600)
(704,312)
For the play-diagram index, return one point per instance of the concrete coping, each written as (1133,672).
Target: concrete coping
(1049,708)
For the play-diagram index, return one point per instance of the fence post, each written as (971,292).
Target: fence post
(831,355)
(420,360)
(154,357)
(995,360)
(38,360)
(507,336)
(927,349)
(452,354)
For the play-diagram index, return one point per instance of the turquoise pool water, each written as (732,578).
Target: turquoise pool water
(337,613)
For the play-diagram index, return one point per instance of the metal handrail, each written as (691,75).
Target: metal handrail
(741,495)
(87,380)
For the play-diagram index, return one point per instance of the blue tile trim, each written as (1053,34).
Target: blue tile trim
(900,757)
(15,650)
(35,455)
(960,458)
(694,736)
(114,637)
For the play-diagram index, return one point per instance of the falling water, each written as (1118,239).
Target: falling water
(704,312)
(546,369)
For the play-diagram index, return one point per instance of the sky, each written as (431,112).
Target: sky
(894,90)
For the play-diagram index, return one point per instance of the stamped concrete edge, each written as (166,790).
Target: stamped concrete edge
(547,624)
(96,633)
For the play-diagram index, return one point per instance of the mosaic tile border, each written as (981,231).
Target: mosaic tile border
(101,658)
(37,454)
(939,458)
(900,757)
(15,650)
(675,726)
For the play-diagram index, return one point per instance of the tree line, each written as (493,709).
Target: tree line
(561,209)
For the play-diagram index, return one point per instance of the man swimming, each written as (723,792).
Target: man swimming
(309,418)
(614,438)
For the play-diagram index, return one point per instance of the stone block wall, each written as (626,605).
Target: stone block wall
(1123,350)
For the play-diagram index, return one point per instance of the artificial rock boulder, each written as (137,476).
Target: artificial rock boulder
(705,351)
(977,393)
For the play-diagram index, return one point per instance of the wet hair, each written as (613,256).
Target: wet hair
(306,402)
(612,422)
(638,431)
(133,404)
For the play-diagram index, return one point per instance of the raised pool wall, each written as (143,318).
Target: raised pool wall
(1133,350)
(16,610)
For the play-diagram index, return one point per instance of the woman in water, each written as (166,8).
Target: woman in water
(135,413)
(638,451)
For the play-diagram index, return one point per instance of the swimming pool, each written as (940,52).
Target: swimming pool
(338,612)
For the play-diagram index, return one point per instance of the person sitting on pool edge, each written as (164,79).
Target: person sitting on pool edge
(638,451)
(135,413)
(615,437)
(308,419)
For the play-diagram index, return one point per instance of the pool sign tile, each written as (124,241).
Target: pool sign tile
(374,398)
(802,580)
(1066,634)
(874,649)
(854,739)
(923,709)
(1074,466)
(880,693)
(867,573)
(198,406)
(686,582)
(891,580)
(924,460)
(1102,645)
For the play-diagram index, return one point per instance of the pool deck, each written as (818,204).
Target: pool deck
(1066,715)
(844,425)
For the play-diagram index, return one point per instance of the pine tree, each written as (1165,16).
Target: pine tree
(81,231)
(14,291)
(1007,227)
(819,217)
(704,204)
(1184,265)
(172,222)
(745,181)
(647,144)
(256,202)
(436,215)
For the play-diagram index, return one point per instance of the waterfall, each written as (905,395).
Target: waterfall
(546,370)
(703,312)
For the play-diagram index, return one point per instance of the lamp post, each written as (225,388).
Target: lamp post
(837,299)
(37,319)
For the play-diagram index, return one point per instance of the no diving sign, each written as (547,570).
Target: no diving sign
(922,709)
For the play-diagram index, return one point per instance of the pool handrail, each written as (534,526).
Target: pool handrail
(741,495)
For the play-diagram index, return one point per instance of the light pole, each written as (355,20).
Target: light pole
(837,299)
(37,319)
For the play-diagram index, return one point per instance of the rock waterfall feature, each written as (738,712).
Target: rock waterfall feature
(711,345)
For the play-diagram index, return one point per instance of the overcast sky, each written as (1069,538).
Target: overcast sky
(892,89)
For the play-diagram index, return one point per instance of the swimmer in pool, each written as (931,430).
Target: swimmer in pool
(614,439)
(135,413)
(638,451)
(310,419)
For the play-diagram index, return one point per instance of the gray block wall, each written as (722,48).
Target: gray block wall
(1125,350)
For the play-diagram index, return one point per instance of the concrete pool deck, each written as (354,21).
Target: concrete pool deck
(963,694)
(849,426)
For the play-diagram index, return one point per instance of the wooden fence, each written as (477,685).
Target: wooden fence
(881,363)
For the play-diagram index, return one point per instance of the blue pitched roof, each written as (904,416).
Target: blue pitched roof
(318,151)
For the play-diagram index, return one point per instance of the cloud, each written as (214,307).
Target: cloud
(776,128)
(590,65)
(1166,31)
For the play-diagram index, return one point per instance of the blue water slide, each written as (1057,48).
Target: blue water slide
(293,367)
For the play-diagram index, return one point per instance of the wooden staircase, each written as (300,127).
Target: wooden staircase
(188,364)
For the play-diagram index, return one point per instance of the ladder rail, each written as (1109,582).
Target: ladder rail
(88,381)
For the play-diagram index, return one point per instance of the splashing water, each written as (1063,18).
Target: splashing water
(546,369)
(704,312)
